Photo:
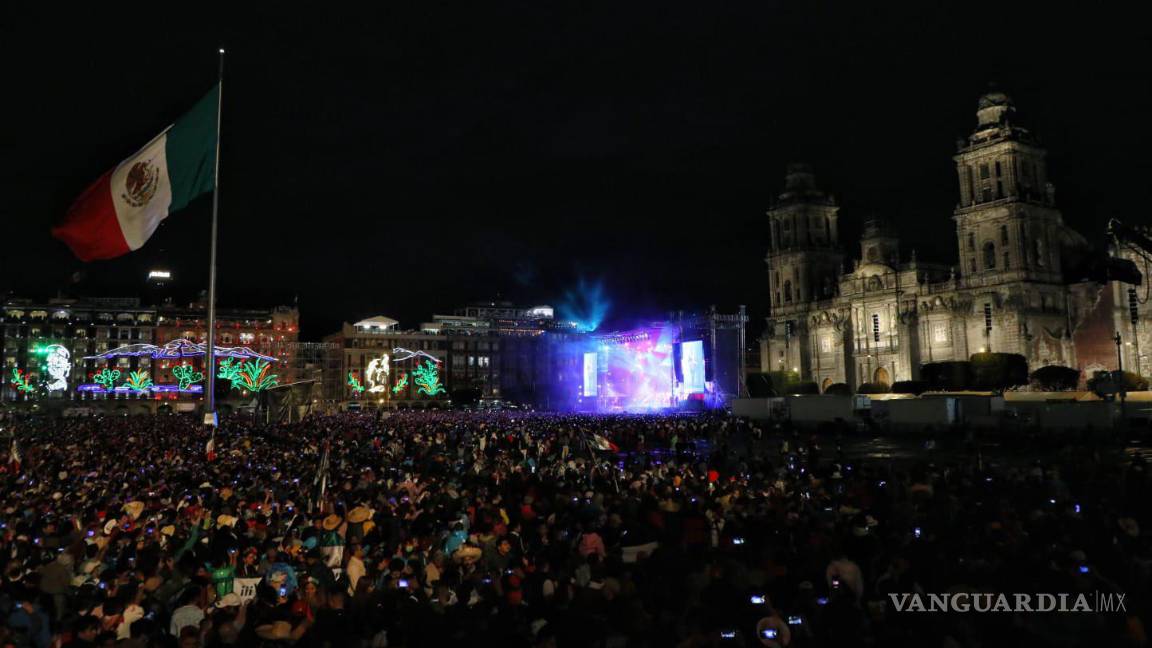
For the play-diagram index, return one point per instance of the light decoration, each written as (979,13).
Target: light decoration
(176,349)
(228,370)
(186,376)
(20,381)
(354,383)
(377,374)
(401,384)
(427,379)
(138,381)
(156,389)
(107,378)
(251,375)
(59,365)
(400,355)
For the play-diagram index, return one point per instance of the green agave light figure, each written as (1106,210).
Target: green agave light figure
(427,379)
(401,383)
(251,375)
(138,381)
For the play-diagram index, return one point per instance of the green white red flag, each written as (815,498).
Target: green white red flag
(119,212)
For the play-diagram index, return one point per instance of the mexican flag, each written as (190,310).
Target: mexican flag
(119,212)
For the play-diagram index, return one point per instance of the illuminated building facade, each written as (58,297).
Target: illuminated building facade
(46,343)
(493,350)
(51,348)
(272,332)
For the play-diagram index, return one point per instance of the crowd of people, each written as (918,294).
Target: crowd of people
(545,530)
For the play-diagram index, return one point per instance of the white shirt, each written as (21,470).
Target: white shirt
(189,615)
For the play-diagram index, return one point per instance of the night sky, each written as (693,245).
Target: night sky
(407,161)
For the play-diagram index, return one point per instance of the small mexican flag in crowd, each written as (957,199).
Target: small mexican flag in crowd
(121,210)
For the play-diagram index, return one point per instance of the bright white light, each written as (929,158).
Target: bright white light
(377,374)
(159,274)
(58,367)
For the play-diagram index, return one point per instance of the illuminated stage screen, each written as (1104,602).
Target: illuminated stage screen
(692,366)
(590,374)
(637,372)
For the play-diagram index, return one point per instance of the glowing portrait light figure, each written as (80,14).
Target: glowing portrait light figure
(58,362)
(377,374)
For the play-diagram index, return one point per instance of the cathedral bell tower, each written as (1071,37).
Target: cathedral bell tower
(804,257)
(1007,225)
(804,266)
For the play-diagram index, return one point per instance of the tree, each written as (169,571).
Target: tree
(872,388)
(802,388)
(760,385)
(782,380)
(1055,378)
(947,376)
(909,387)
(998,371)
(838,389)
(1103,383)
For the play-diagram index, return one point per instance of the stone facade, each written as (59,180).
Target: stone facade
(886,315)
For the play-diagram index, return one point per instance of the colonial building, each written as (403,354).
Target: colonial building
(76,330)
(884,315)
(494,349)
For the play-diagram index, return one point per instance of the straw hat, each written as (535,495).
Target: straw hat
(332,522)
(359,514)
(226,521)
(134,509)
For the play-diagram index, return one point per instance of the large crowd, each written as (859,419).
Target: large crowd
(545,530)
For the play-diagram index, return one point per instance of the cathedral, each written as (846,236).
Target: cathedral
(882,315)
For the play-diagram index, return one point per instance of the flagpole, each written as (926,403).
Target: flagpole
(210,351)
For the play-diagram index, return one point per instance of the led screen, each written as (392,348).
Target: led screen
(590,369)
(692,366)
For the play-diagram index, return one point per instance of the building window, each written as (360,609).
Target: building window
(997,168)
(940,332)
(787,291)
(986,194)
(1040,261)
(972,265)
(987,317)
(1007,261)
(989,255)
(825,344)
(875,327)
(972,241)
(1004,235)
(984,171)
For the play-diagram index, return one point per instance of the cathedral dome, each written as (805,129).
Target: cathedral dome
(994,98)
(994,108)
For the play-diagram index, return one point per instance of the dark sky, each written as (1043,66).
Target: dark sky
(404,161)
